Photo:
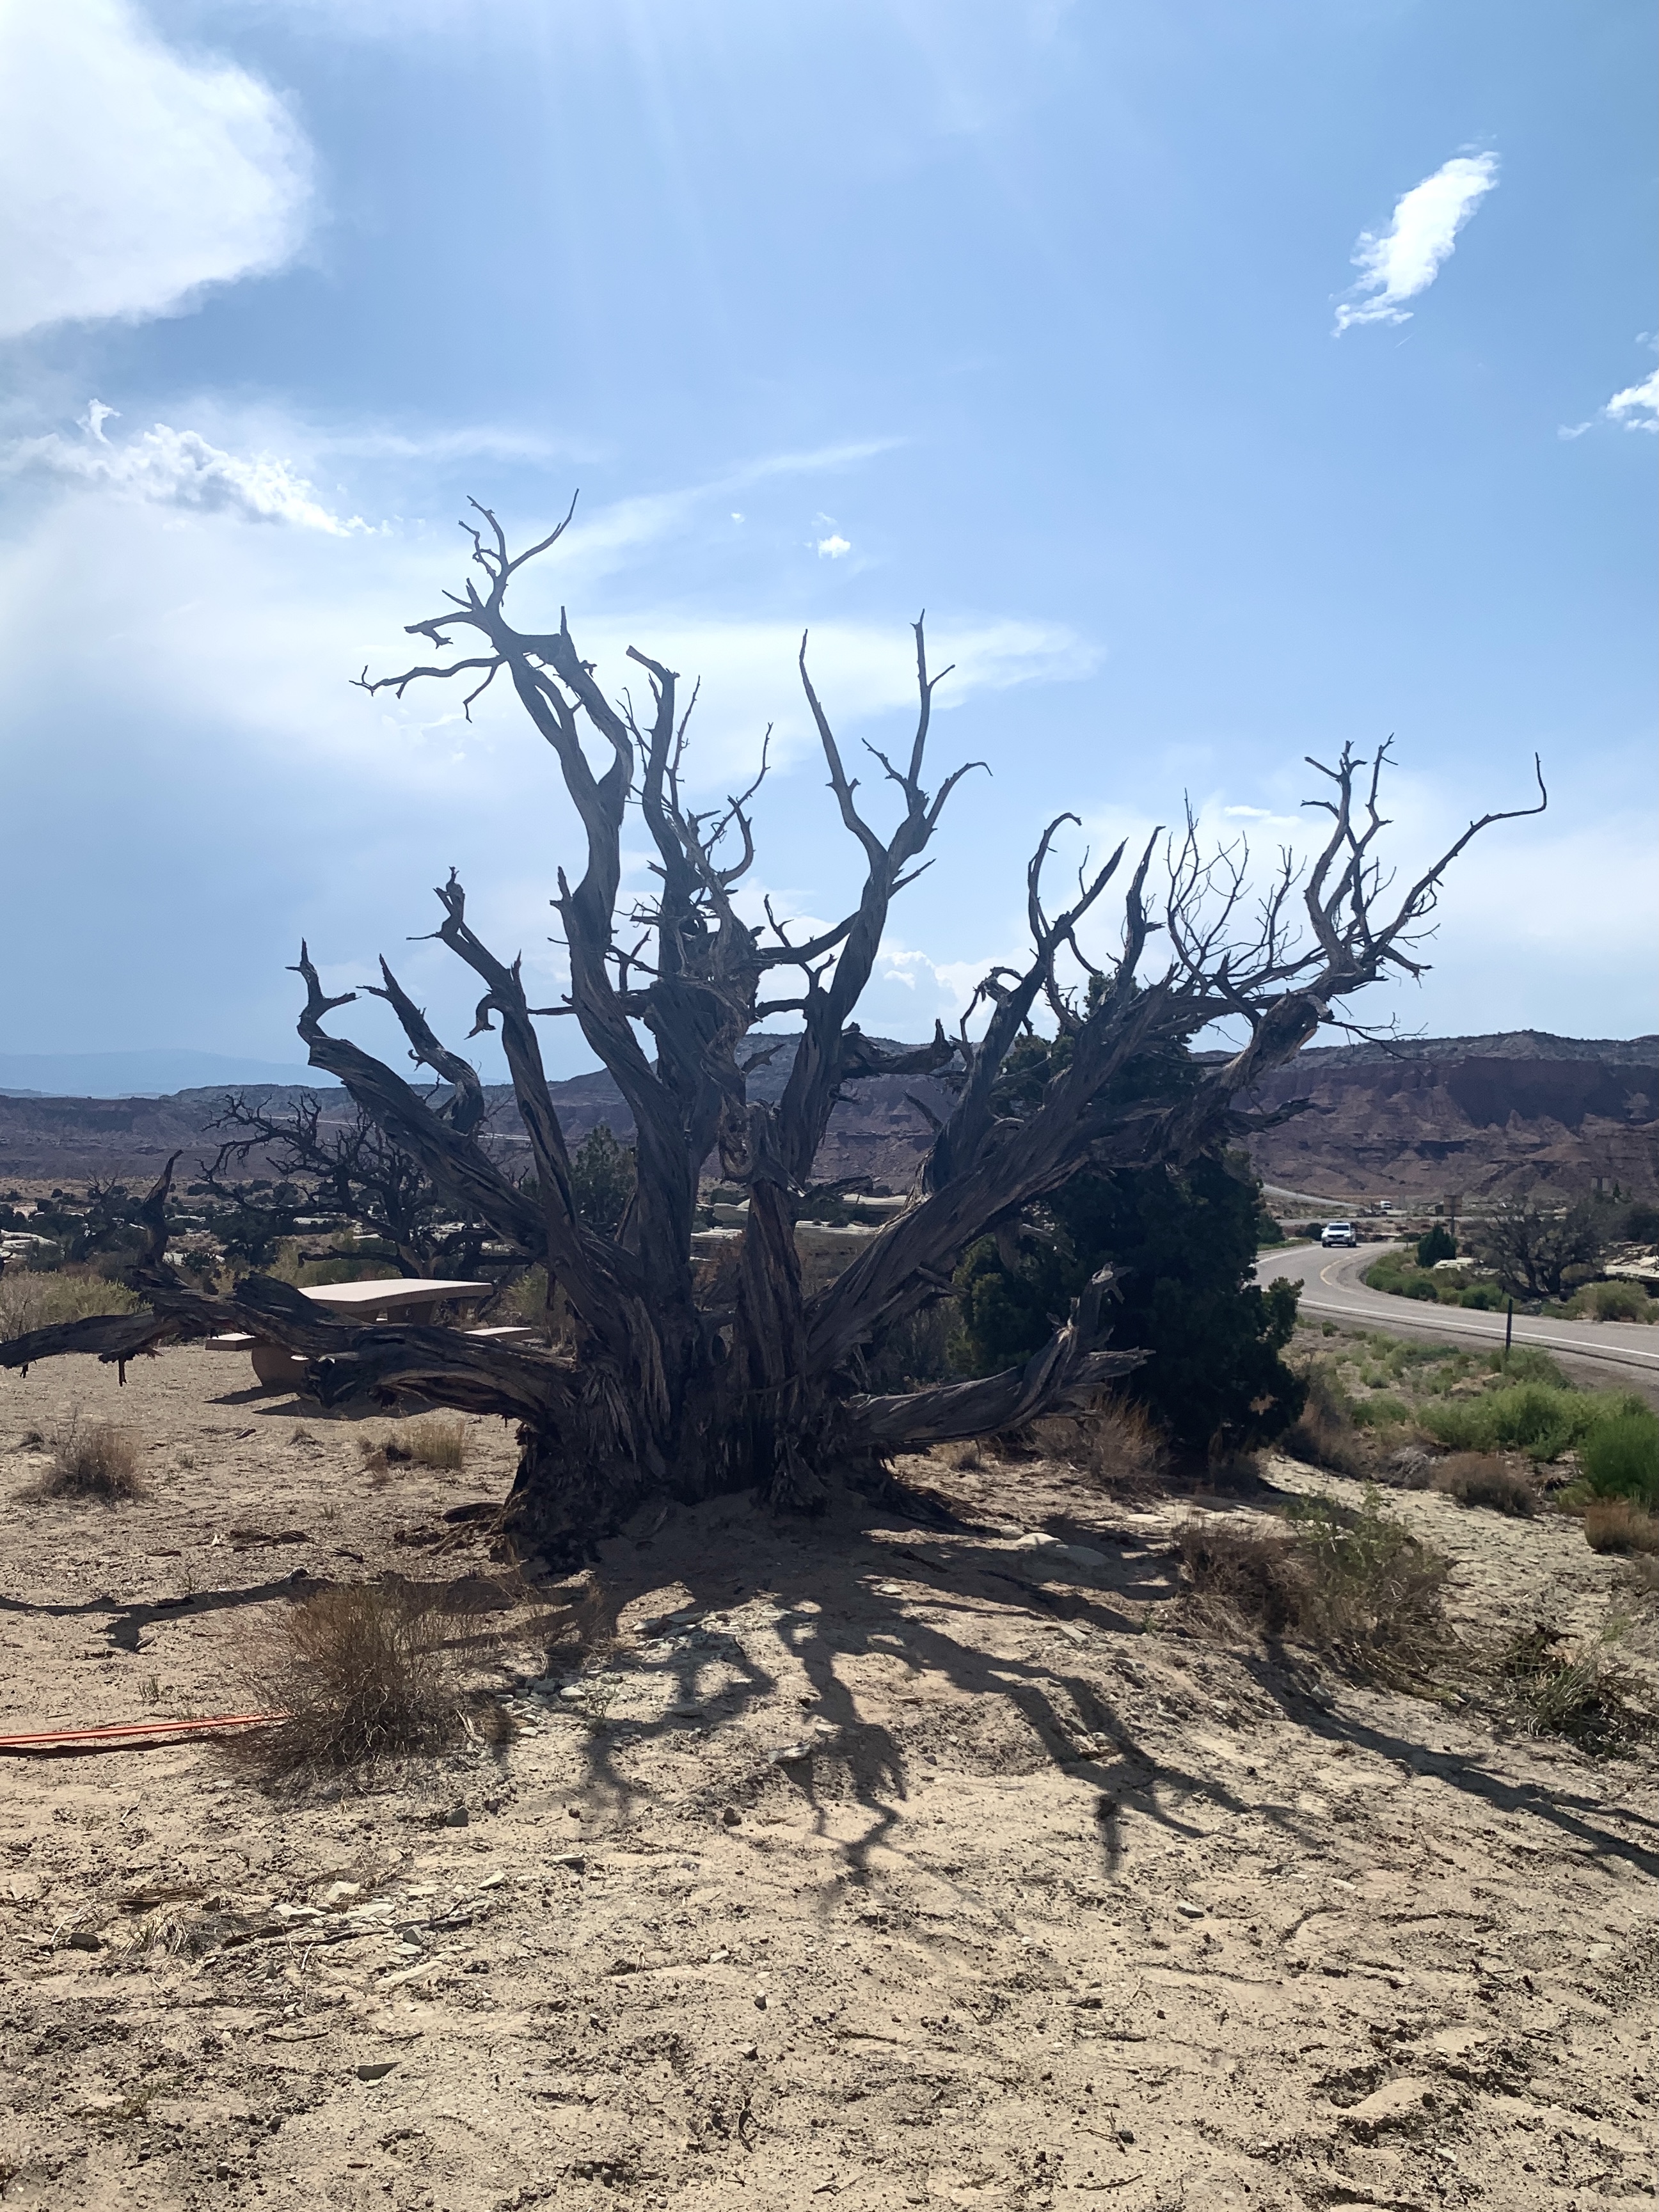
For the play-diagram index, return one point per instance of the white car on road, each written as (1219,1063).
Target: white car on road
(1338,1232)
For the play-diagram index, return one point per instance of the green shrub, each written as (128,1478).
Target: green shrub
(1438,1244)
(1620,1456)
(524,1300)
(1184,1245)
(1529,1417)
(1525,1362)
(1485,1297)
(602,1180)
(1613,1301)
(1379,1412)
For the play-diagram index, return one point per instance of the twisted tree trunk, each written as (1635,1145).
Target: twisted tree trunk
(689,1391)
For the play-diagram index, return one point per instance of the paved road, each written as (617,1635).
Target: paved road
(1333,1291)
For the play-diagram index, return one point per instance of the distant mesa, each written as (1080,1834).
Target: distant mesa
(1487,1117)
(156,1074)
(1481,1116)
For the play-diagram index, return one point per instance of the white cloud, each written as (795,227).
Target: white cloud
(833,546)
(1635,408)
(130,175)
(1638,406)
(178,468)
(1405,258)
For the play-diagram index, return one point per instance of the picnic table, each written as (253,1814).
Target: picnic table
(399,1298)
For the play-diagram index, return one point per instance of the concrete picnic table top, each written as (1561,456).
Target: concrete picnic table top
(416,1298)
(392,1292)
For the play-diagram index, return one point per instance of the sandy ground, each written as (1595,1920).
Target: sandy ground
(894,1868)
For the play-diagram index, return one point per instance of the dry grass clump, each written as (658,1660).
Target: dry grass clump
(30,1301)
(433,1441)
(1555,1687)
(1116,1441)
(1615,1524)
(1483,1479)
(362,1675)
(1356,1587)
(1324,1433)
(1250,1574)
(90,1459)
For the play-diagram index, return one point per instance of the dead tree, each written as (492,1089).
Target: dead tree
(666,1389)
(351,1166)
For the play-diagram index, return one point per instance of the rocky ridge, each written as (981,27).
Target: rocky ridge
(1480,1116)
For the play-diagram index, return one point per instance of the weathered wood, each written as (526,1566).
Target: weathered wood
(688,1382)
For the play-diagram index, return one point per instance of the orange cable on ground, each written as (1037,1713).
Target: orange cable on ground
(140,1733)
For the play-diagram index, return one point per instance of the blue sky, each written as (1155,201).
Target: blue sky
(1225,382)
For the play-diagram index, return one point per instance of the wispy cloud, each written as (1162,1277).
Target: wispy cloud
(178,468)
(1635,408)
(130,175)
(835,546)
(474,441)
(1399,262)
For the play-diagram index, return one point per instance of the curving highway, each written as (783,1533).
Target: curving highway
(1332,1291)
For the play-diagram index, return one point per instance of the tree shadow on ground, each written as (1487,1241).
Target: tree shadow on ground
(126,1621)
(863,1586)
(1566,1811)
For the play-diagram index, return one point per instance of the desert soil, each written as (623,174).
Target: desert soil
(856,1865)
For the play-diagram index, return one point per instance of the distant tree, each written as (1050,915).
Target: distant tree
(253,1221)
(602,1180)
(1637,1223)
(1438,1244)
(347,1167)
(676,1384)
(1530,1247)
